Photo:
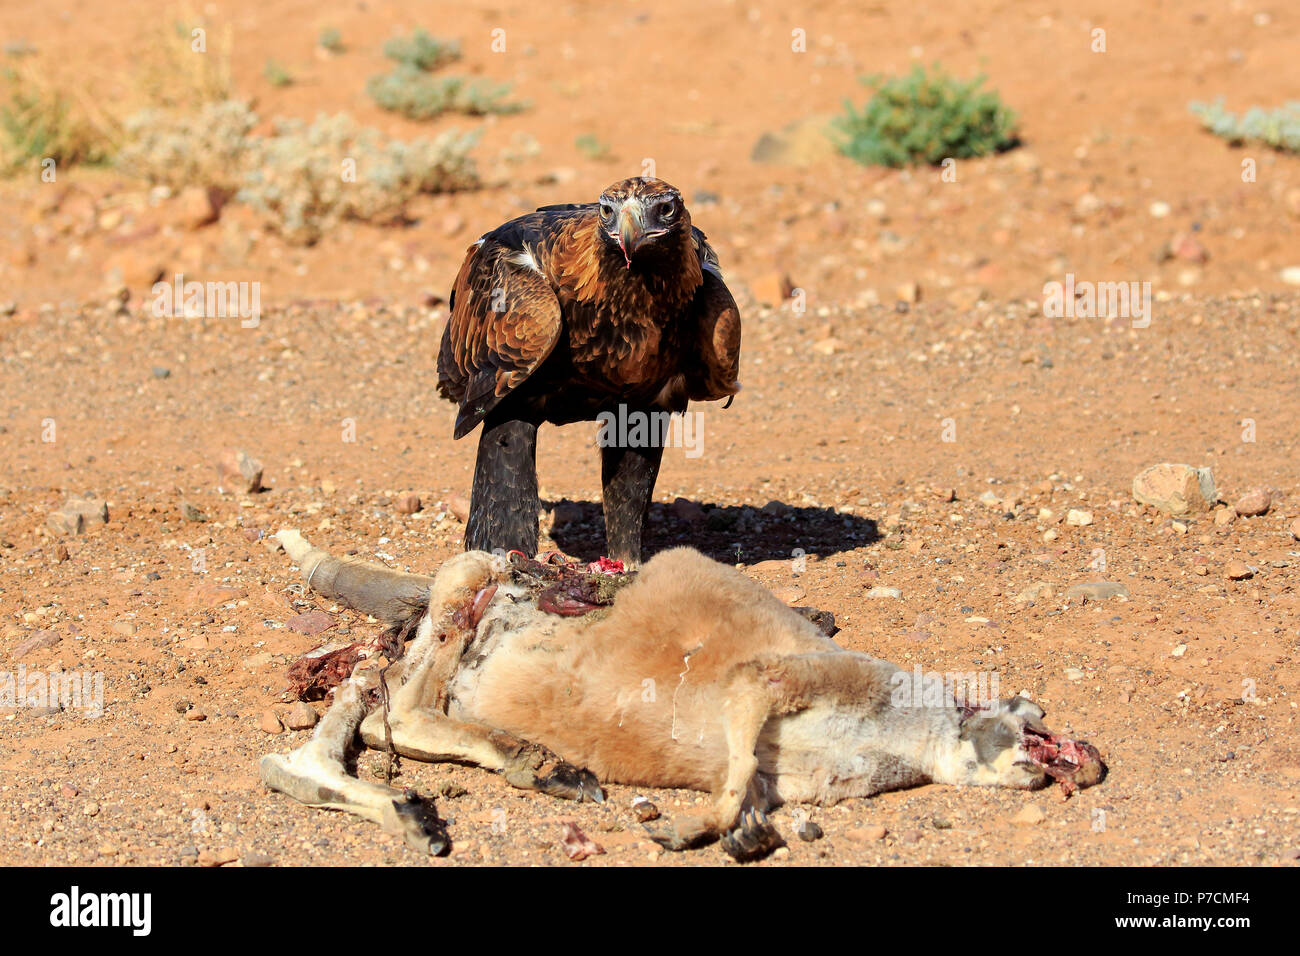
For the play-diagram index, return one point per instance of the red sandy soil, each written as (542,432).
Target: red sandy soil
(1188,687)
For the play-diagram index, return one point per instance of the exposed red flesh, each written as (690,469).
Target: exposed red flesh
(606,566)
(1074,764)
(565,586)
(577,845)
(469,615)
(314,674)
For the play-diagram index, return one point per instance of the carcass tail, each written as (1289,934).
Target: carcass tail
(370,588)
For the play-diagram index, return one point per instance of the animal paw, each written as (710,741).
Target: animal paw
(681,833)
(418,824)
(753,839)
(536,768)
(571,783)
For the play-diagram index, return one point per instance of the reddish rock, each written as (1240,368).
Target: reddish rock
(1175,489)
(772,288)
(1188,247)
(197,206)
(1030,815)
(867,834)
(38,641)
(1236,570)
(458,506)
(220,857)
(909,292)
(1253,503)
(301,716)
(313,622)
(210,595)
(239,471)
(133,269)
(270,723)
(407,504)
(76,515)
(789,593)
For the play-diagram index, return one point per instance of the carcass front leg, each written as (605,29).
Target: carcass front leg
(315,774)
(422,731)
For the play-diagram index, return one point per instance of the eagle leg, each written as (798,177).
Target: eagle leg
(628,477)
(504,503)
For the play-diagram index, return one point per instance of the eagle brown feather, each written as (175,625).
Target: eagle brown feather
(553,319)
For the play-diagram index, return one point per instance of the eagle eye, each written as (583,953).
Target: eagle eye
(606,211)
(667,210)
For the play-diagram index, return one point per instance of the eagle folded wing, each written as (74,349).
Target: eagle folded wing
(505,320)
(715,365)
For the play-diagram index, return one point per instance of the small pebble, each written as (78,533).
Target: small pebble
(810,832)
(1236,570)
(301,716)
(270,723)
(1030,815)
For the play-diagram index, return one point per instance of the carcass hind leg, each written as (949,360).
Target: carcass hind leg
(756,691)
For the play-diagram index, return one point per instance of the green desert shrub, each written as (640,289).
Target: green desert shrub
(47,116)
(421,50)
(1278,128)
(277,74)
(180,148)
(925,117)
(305,177)
(309,177)
(418,95)
(330,39)
(75,111)
(592,146)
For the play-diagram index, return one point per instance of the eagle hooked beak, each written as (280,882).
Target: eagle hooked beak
(631,231)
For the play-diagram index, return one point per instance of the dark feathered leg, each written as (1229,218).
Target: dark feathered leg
(503,506)
(628,476)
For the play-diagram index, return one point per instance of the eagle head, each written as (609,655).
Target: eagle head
(642,217)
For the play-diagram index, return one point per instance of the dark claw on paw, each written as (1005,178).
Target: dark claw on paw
(753,839)
(421,826)
(571,783)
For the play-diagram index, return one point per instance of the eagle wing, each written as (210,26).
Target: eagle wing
(715,363)
(505,320)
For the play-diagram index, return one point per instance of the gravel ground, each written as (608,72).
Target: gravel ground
(1187,687)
